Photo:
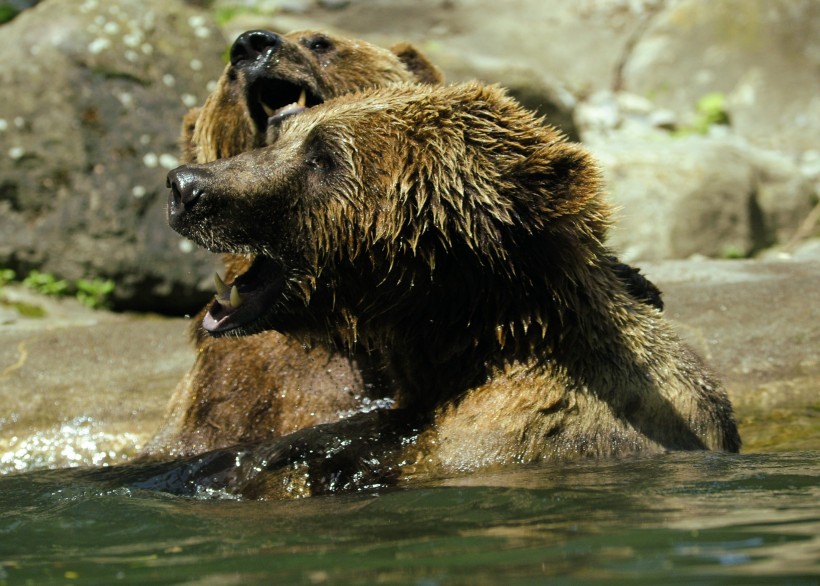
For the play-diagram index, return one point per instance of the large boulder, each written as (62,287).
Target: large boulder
(764,57)
(547,53)
(757,324)
(91,98)
(707,195)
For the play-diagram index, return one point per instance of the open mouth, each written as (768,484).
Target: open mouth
(247,299)
(274,99)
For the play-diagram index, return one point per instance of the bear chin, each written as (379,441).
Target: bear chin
(240,307)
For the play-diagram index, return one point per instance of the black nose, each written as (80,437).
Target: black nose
(251,44)
(186,184)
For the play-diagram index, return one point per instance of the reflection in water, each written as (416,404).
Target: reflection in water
(78,442)
(694,517)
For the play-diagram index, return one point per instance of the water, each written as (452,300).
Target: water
(682,518)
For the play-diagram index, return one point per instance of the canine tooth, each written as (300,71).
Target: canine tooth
(268,110)
(236,298)
(220,285)
(223,302)
(302,99)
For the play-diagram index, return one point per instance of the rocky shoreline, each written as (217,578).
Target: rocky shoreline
(85,387)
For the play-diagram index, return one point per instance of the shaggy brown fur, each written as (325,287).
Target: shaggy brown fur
(455,237)
(257,388)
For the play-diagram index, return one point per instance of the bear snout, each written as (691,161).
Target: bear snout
(250,45)
(187,187)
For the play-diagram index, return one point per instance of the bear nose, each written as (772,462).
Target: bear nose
(186,184)
(252,44)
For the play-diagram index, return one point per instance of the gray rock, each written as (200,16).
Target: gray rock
(757,324)
(91,95)
(547,53)
(82,387)
(763,56)
(678,197)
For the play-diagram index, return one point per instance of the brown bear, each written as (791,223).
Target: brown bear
(251,389)
(460,241)
(245,389)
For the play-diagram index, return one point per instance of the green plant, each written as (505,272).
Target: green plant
(732,251)
(7,13)
(95,293)
(711,110)
(224,14)
(46,283)
(7,276)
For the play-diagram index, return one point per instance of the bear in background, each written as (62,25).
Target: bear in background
(456,240)
(247,389)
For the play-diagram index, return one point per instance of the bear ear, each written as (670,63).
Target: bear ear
(418,64)
(186,139)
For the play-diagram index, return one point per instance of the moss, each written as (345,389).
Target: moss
(6,276)
(224,14)
(781,429)
(711,110)
(25,309)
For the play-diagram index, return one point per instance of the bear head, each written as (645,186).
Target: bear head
(420,212)
(270,73)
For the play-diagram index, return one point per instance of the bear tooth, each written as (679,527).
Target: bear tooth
(302,99)
(236,298)
(223,302)
(220,285)
(268,110)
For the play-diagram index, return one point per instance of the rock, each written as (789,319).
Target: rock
(757,324)
(762,56)
(82,387)
(606,114)
(91,97)
(84,155)
(628,72)
(712,196)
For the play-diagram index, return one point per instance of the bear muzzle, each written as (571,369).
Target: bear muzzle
(272,91)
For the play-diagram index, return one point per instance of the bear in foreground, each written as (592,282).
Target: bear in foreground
(249,389)
(449,232)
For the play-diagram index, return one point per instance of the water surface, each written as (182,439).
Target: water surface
(681,518)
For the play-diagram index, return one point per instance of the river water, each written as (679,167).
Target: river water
(680,518)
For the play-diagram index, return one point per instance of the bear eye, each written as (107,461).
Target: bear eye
(319,44)
(319,162)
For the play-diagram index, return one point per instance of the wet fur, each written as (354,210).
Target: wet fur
(461,242)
